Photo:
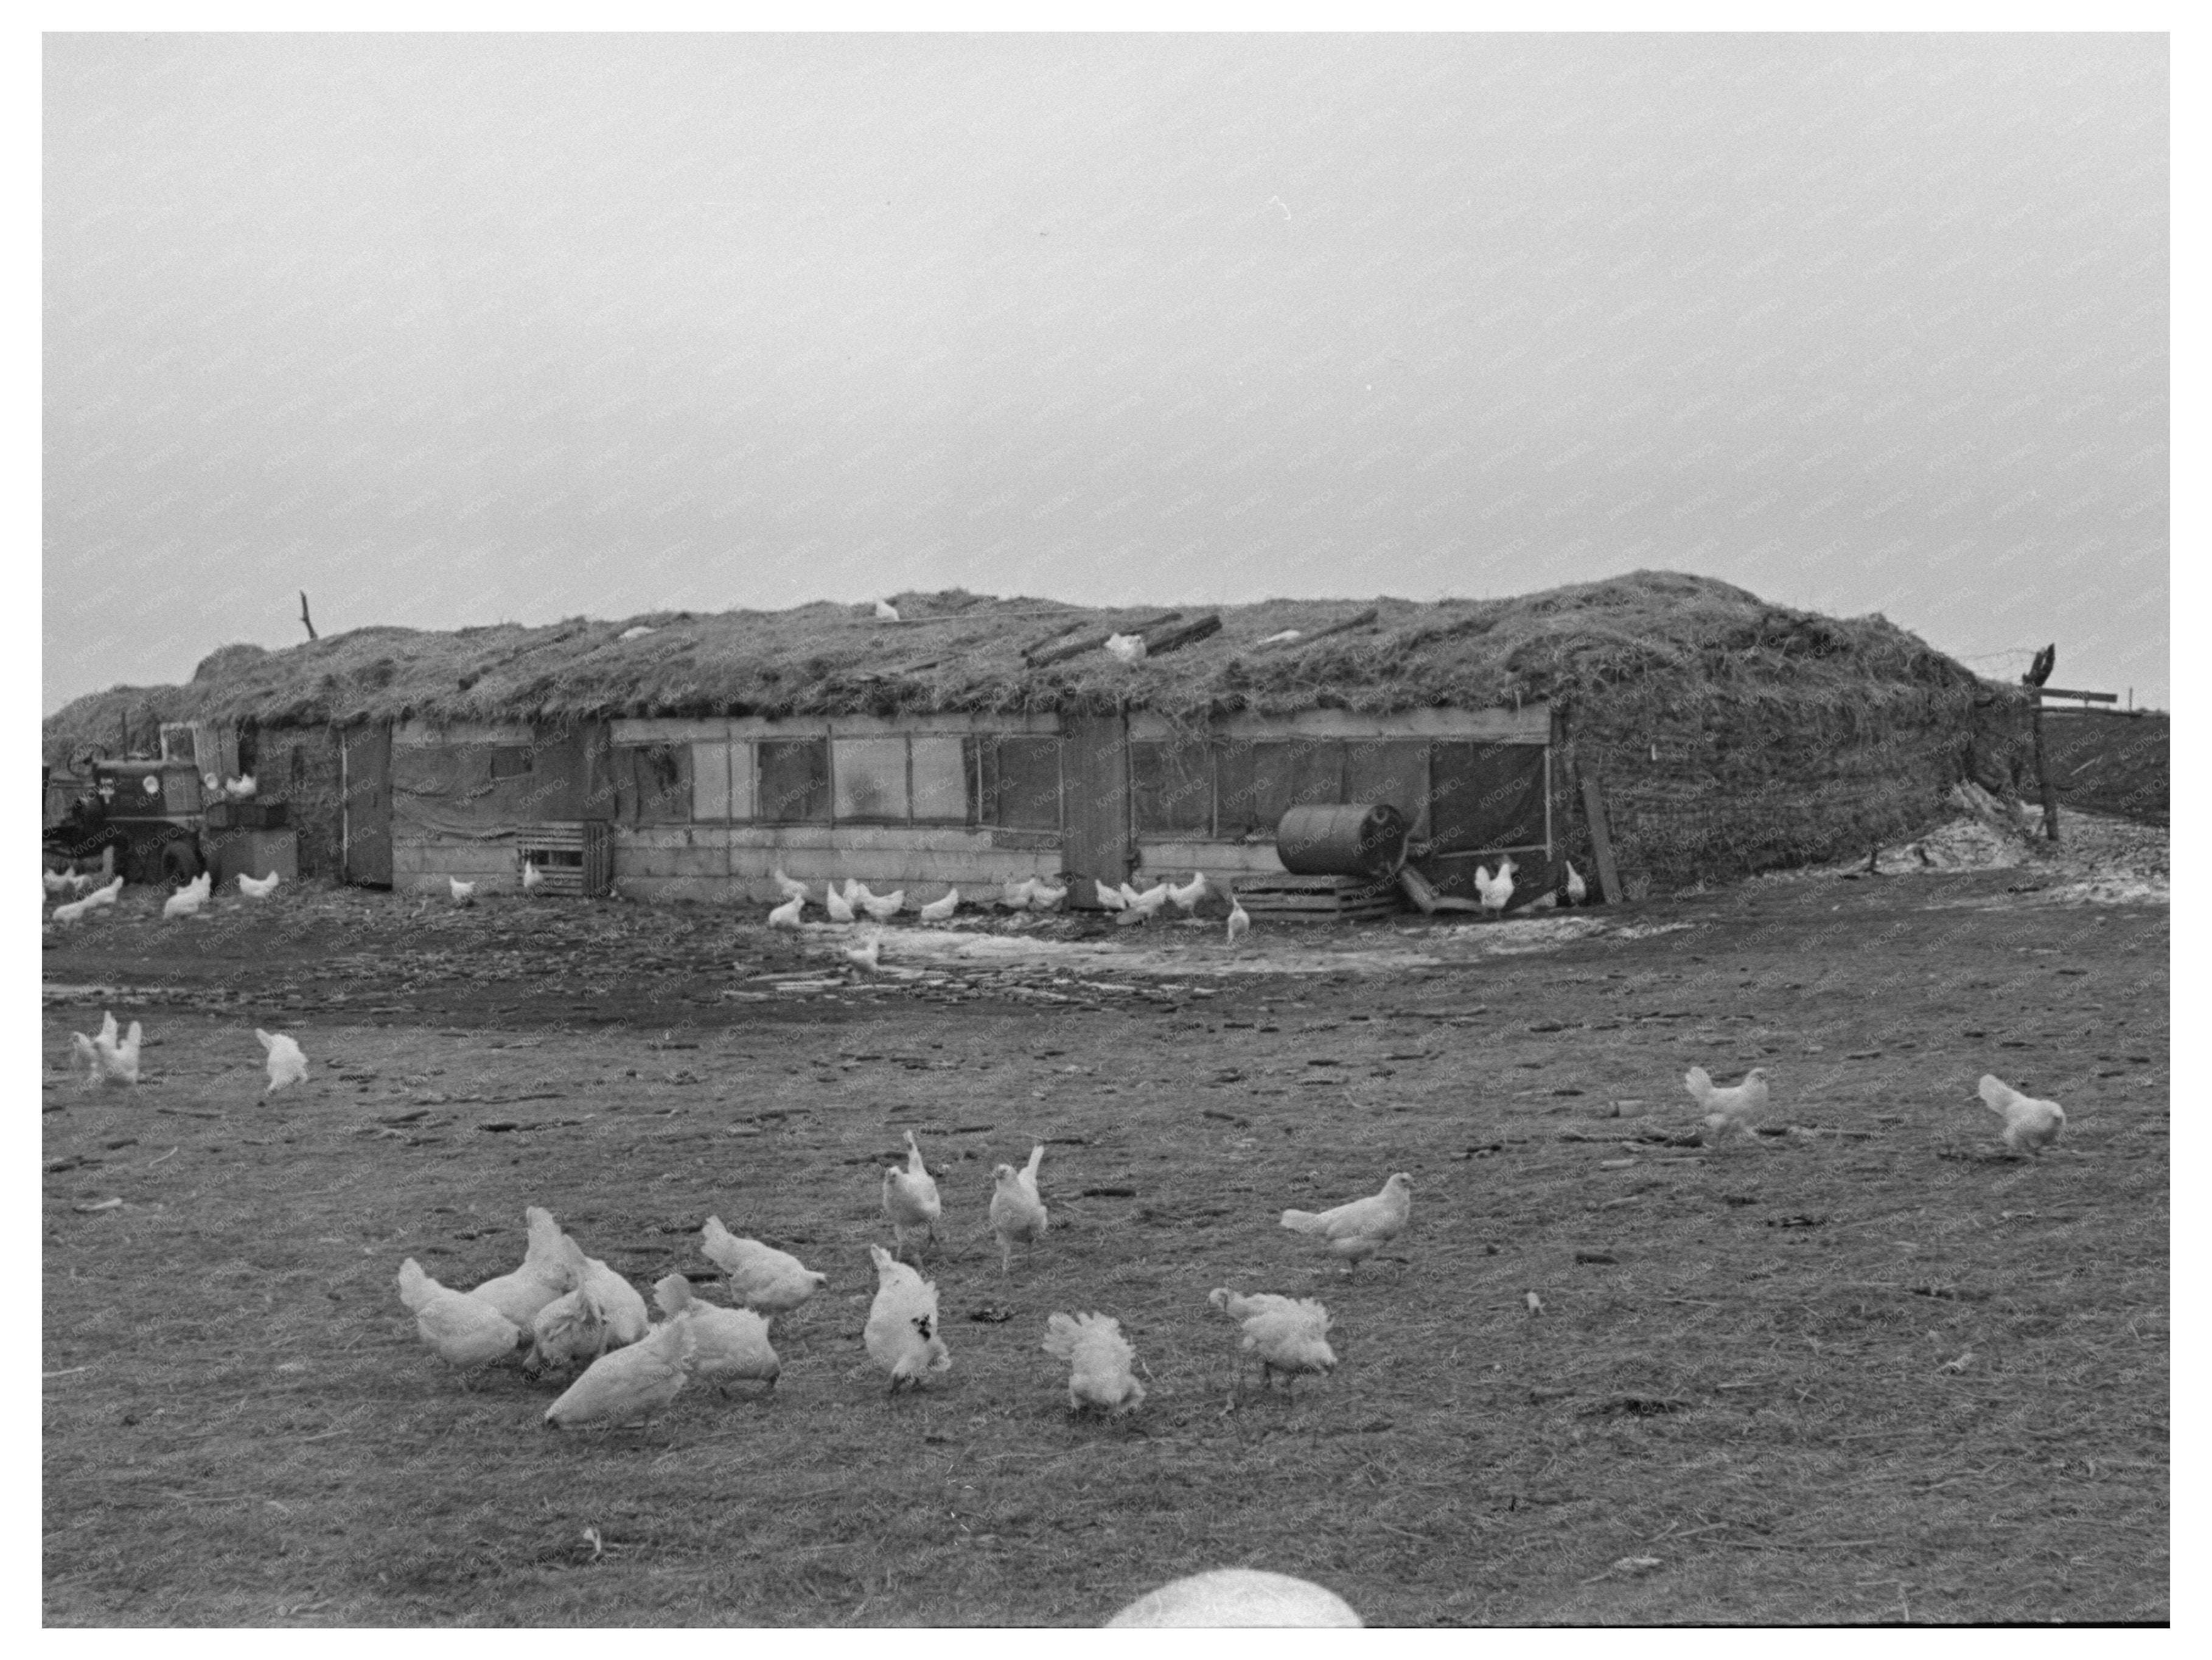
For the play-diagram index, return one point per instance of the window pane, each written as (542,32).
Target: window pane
(872,778)
(710,782)
(652,783)
(794,780)
(940,780)
(1234,810)
(1317,772)
(1021,782)
(509,760)
(1173,783)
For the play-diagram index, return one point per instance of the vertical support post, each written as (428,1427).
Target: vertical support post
(2043,773)
(1608,880)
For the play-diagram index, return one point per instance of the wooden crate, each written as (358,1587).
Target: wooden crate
(576,859)
(1318,898)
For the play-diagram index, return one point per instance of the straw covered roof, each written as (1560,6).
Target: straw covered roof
(1649,635)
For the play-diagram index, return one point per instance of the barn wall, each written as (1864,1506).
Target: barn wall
(730,863)
(1714,790)
(299,766)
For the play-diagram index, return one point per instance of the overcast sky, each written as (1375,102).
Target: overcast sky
(452,330)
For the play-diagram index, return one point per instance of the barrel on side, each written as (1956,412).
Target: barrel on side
(1355,841)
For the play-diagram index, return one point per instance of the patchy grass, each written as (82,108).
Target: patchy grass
(1863,1370)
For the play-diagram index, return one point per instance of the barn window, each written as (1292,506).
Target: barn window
(1485,795)
(509,760)
(652,783)
(1256,782)
(1018,782)
(794,780)
(870,774)
(1389,769)
(940,780)
(711,802)
(1173,787)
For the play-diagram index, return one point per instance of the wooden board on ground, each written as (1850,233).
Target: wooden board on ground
(1318,898)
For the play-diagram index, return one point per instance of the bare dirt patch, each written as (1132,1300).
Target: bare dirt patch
(1863,1367)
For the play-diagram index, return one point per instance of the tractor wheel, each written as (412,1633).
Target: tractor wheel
(180,862)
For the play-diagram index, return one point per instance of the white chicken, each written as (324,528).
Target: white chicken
(632,1383)
(785,915)
(839,907)
(187,899)
(1240,919)
(626,1316)
(1015,895)
(82,881)
(531,880)
(1186,897)
(866,957)
(884,909)
(465,1331)
(759,1276)
(56,881)
(1042,897)
(2030,1125)
(886,612)
(1098,1358)
(116,1062)
(789,888)
(1288,1335)
(240,788)
(733,1344)
(83,1051)
(938,910)
(464,893)
(1495,891)
(547,1273)
(261,889)
(1362,1227)
(1017,1212)
(98,899)
(1578,890)
(1140,907)
(1737,1107)
(901,1334)
(602,1311)
(287,1063)
(910,1198)
(1109,898)
(1127,648)
(1228,1598)
(855,890)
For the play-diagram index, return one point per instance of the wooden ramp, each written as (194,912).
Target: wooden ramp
(1318,898)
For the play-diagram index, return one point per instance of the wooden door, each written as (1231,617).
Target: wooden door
(365,772)
(1094,795)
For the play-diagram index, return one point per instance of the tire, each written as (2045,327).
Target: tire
(180,862)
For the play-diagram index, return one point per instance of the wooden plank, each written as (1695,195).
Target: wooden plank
(423,734)
(755,728)
(1608,882)
(1217,859)
(1161,644)
(1307,638)
(2086,696)
(1418,890)
(1097,637)
(2044,780)
(1095,801)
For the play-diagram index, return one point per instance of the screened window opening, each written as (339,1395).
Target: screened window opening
(794,780)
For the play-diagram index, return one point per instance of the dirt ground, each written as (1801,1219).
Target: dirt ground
(1863,1368)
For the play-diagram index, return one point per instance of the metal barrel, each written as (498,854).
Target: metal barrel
(1355,841)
